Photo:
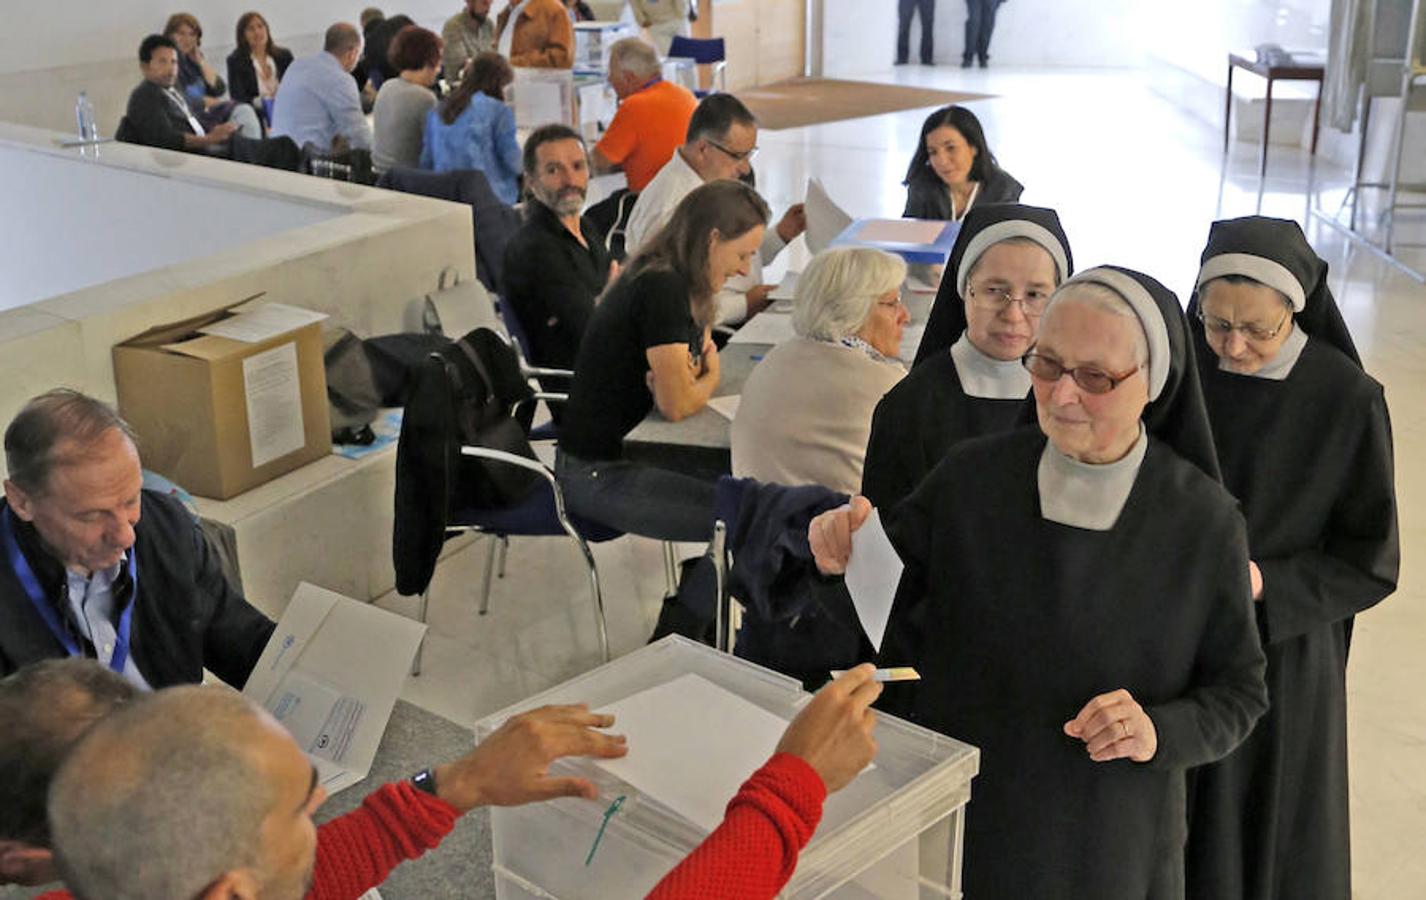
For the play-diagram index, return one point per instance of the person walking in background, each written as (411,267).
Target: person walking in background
(980,22)
(905,9)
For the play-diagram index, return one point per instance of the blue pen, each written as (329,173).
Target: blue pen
(757,358)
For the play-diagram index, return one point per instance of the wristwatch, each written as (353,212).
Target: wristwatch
(425,780)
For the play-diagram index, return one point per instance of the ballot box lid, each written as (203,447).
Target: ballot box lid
(677,778)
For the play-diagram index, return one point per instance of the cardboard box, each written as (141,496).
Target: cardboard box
(219,415)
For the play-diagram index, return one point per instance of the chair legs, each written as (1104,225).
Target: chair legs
(599,619)
(489,571)
(670,569)
(500,560)
(421,648)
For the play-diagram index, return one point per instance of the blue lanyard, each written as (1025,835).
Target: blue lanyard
(31,584)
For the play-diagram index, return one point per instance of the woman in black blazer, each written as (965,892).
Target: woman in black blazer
(255,51)
(953,169)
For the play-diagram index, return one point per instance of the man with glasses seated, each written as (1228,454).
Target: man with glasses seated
(721,142)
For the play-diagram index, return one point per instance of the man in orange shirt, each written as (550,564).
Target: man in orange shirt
(653,115)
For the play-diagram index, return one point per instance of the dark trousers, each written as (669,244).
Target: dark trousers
(980,22)
(905,9)
(637,498)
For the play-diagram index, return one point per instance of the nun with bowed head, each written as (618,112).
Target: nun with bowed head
(968,380)
(1304,442)
(1076,599)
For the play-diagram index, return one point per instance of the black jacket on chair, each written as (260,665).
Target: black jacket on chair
(187,616)
(242,77)
(927,198)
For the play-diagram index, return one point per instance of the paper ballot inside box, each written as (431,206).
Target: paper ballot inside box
(330,674)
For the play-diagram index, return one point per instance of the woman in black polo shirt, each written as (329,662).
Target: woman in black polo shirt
(648,345)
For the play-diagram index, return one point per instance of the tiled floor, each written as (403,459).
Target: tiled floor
(1136,182)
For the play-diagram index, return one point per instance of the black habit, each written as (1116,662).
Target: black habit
(1310,459)
(1015,623)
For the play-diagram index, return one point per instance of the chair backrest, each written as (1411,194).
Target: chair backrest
(701,50)
(468,393)
(125,132)
(494,221)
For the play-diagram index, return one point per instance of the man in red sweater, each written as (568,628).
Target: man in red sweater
(126,823)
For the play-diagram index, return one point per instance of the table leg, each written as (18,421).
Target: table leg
(1228,108)
(1316,117)
(1267,126)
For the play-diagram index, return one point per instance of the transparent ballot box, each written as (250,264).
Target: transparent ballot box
(699,722)
(541,97)
(592,41)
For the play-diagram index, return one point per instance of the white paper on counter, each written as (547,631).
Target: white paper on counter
(692,744)
(873,573)
(330,674)
(825,219)
(765,328)
(900,231)
(263,323)
(272,389)
(725,406)
(786,289)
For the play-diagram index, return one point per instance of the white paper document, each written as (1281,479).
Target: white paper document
(331,674)
(272,389)
(786,289)
(911,337)
(263,323)
(873,573)
(538,103)
(765,328)
(825,219)
(900,231)
(726,406)
(692,744)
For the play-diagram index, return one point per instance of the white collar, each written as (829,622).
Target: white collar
(1282,363)
(986,377)
(1087,496)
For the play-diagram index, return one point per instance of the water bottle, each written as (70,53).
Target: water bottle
(84,113)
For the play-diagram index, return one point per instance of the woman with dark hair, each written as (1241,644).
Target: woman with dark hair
(953,169)
(648,346)
(403,101)
(256,65)
(473,128)
(1304,440)
(200,84)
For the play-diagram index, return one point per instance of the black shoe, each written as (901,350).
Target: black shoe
(899,62)
(965,62)
(984,62)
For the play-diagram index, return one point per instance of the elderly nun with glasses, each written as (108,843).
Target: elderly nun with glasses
(806,409)
(968,381)
(1304,443)
(1076,599)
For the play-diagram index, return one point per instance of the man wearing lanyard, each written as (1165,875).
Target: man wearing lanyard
(72,553)
(157,115)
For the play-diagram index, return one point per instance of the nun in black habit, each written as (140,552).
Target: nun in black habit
(968,380)
(1076,599)
(1304,443)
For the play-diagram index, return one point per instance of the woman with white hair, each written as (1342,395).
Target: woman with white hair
(806,410)
(1076,599)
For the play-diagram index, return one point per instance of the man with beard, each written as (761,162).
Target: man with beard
(557,263)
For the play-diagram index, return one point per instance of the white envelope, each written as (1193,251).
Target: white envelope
(331,674)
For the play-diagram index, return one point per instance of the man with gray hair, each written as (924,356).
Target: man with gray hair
(46,707)
(318,101)
(652,119)
(82,575)
(720,143)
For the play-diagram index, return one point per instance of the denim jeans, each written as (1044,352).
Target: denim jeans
(637,498)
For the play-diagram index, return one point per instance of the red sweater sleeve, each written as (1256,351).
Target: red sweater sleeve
(753,853)
(356,852)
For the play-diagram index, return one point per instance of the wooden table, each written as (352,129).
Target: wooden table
(1273,72)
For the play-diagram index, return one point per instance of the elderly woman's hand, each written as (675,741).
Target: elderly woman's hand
(830,535)
(1115,726)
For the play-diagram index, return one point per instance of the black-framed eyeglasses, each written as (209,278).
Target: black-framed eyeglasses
(1252,331)
(1091,379)
(735,155)
(995,299)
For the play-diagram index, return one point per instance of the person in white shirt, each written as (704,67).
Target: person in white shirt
(722,140)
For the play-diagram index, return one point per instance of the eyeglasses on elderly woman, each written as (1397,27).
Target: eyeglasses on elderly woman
(1093,380)
(994,298)
(1253,331)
